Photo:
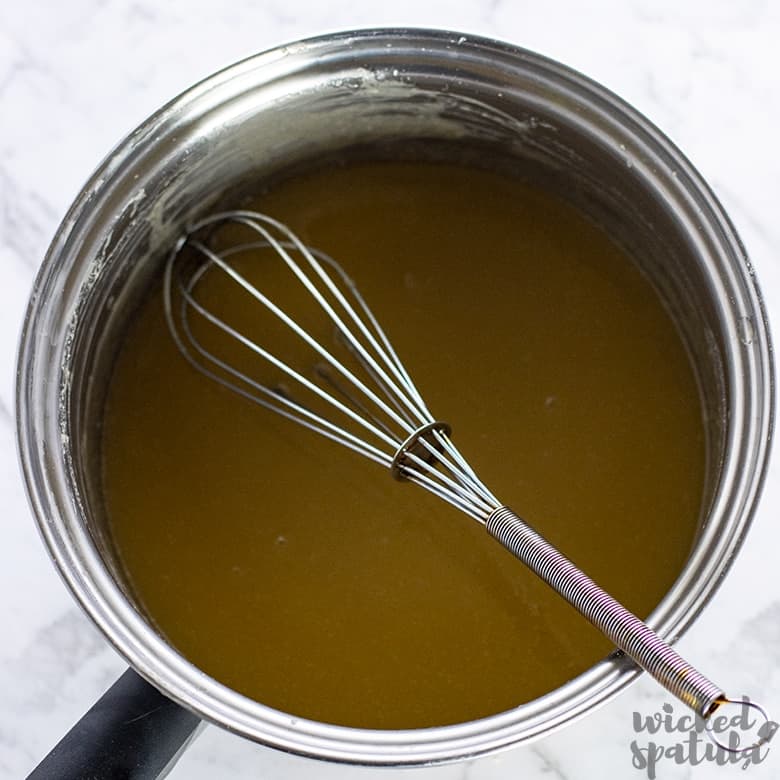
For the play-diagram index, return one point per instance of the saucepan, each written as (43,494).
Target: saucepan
(403,89)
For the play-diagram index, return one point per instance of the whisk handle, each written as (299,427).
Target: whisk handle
(622,627)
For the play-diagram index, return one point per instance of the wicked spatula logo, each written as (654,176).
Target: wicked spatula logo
(737,733)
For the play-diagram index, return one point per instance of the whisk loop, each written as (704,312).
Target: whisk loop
(402,433)
(376,410)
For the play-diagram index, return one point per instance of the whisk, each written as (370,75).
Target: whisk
(375,409)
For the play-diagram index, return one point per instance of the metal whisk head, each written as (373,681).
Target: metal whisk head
(357,393)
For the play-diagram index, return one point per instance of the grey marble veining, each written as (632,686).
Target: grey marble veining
(75,77)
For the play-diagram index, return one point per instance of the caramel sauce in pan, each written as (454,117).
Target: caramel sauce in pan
(307,578)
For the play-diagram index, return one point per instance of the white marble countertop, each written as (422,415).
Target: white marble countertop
(75,77)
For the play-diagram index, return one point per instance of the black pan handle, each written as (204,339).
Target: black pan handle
(132,732)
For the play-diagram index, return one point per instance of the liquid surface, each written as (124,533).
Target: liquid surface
(305,577)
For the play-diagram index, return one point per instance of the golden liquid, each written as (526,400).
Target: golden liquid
(302,575)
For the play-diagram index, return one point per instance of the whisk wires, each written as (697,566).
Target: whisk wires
(374,410)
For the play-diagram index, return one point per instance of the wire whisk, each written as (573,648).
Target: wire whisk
(364,399)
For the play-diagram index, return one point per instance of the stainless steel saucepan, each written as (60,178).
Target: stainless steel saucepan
(404,92)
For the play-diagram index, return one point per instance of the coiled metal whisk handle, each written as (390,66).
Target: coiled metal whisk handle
(622,627)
